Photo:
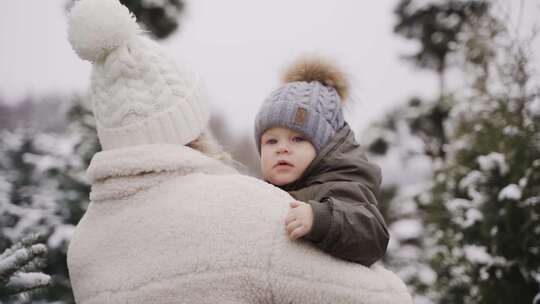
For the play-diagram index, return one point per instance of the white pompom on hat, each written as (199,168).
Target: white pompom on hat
(99,26)
(138,94)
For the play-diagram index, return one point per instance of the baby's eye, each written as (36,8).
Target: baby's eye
(298,139)
(271,141)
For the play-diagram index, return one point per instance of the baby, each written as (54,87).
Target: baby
(308,150)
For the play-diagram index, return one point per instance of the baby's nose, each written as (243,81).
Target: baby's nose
(283,148)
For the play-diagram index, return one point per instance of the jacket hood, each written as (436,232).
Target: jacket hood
(342,159)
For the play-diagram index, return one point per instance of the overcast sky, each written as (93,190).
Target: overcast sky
(239,47)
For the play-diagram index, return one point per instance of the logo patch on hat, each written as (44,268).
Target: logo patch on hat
(300,116)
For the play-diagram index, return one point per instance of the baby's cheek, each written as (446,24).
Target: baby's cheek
(265,169)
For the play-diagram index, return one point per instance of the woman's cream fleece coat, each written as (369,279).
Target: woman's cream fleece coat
(167,224)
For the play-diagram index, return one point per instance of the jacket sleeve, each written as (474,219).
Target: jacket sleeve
(348,225)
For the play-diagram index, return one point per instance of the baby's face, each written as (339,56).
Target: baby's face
(285,154)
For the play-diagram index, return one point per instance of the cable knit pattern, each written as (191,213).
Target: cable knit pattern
(139,96)
(135,81)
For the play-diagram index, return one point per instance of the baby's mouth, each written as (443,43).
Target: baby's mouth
(283,163)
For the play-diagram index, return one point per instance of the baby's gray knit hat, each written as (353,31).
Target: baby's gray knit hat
(309,102)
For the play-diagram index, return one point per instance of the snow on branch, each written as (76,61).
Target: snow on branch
(20,265)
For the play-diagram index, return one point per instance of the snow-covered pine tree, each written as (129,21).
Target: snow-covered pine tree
(409,142)
(20,267)
(407,145)
(436,25)
(44,191)
(484,205)
(468,233)
(43,188)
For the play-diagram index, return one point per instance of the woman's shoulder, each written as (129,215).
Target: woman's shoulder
(249,184)
(244,186)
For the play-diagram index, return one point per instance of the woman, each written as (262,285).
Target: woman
(169,221)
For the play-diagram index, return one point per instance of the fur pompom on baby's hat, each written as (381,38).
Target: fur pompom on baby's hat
(97,27)
(319,69)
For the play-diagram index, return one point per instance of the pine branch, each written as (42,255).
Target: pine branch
(25,281)
(19,265)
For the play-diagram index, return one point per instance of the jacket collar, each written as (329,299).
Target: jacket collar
(155,158)
(342,159)
(120,173)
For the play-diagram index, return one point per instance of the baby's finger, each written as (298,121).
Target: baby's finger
(290,217)
(297,233)
(292,226)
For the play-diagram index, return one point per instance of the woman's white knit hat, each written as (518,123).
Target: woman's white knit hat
(138,94)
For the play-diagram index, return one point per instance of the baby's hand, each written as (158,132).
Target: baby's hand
(299,220)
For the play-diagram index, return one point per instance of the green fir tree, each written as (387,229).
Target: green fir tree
(468,232)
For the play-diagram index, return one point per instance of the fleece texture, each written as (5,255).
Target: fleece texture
(168,224)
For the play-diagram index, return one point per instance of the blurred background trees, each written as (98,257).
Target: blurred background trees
(461,170)
(46,144)
(436,25)
(44,191)
(160,18)
(466,228)
(20,267)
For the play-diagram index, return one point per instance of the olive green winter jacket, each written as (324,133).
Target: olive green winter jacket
(342,186)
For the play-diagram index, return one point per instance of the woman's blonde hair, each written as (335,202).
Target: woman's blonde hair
(207,144)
